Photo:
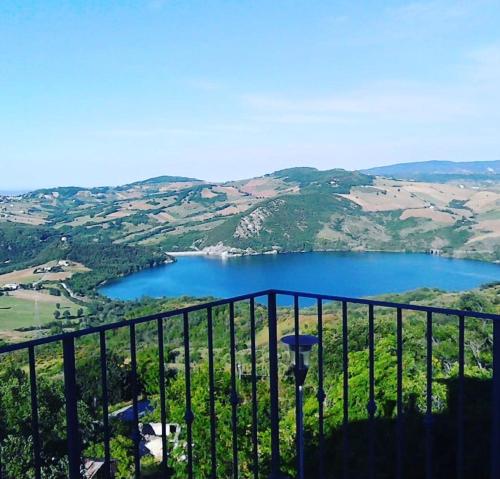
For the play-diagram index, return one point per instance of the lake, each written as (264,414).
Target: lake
(343,274)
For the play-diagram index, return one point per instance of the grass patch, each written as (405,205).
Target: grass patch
(20,312)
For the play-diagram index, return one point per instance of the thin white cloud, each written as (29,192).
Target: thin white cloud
(485,66)
(299,119)
(146,132)
(417,104)
(159,132)
(157,4)
(435,10)
(473,94)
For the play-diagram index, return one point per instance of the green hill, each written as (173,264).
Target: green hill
(295,209)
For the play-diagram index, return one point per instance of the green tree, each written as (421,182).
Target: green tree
(121,449)
(15,423)
(89,378)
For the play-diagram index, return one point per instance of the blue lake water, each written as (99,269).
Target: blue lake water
(343,274)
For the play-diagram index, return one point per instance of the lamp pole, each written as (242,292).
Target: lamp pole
(300,432)
(300,347)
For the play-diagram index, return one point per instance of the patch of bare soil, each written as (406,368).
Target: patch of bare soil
(40,296)
(486,230)
(163,217)
(429,213)
(483,201)
(27,275)
(207,193)
(260,188)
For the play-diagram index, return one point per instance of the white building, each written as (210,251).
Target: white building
(151,440)
(94,468)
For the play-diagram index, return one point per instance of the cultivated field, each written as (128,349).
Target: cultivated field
(19,309)
(27,275)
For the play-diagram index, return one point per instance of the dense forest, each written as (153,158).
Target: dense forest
(22,246)
(15,427)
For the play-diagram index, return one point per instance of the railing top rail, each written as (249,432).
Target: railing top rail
(127,322)
(389,304)
(203,306)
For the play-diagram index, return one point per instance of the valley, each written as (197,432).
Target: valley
(104,233)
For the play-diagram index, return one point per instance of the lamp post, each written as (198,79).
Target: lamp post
(300,347)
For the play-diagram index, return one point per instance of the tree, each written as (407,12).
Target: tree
(89,378)
(15,424)
(57,314)
(66,314)
(475,302)
(121,448)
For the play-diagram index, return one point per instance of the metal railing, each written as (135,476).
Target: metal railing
(267,298)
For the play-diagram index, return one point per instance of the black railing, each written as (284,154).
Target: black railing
(341,443)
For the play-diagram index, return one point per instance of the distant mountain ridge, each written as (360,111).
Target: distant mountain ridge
(306,176)
(163,179)
(424,170)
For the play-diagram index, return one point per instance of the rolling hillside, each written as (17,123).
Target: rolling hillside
(289,210)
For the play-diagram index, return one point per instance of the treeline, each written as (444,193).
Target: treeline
(108,260)
(23,245)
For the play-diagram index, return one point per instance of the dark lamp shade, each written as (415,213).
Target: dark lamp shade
(305,343)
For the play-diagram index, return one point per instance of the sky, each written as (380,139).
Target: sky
(104,93)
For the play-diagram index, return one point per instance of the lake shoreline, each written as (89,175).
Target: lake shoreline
(347,273)
(226,252)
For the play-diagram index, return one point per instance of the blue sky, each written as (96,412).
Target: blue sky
(96,92)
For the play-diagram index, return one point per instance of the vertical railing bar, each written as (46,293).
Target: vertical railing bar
(428,410)
(70,393)
(399,400)
(234,392)
(298,412)
(495,423)
(211,385)
(321,391)
(345,368)
(255,447)
(135,405)
(1,440)
(34,413)
(460,408)
(105,404)
(163,411)
(371,402)
(273,386)
(189,417)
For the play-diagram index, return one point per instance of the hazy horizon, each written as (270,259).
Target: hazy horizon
(104,94)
